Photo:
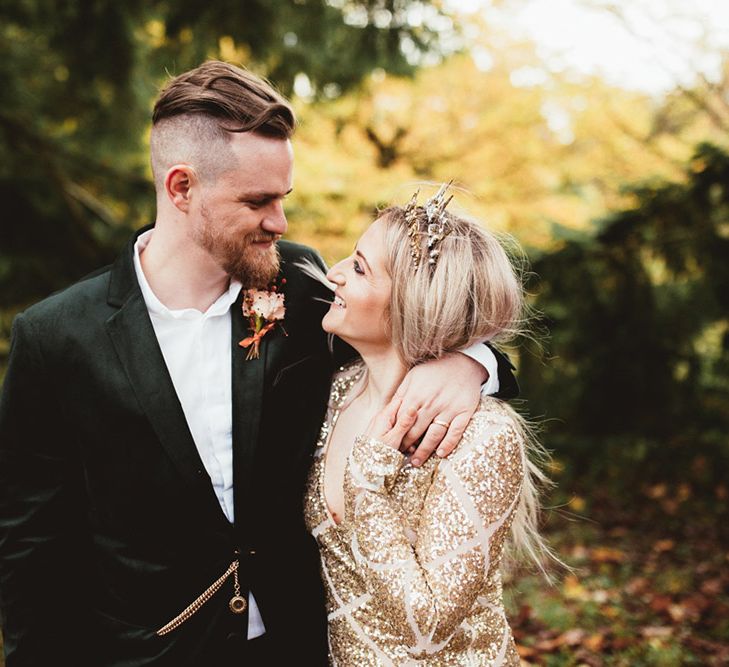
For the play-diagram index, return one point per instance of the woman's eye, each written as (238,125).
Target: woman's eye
(357,268)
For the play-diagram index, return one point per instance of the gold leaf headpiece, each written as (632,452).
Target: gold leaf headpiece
(436,226)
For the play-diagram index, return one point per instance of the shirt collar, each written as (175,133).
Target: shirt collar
(155,307)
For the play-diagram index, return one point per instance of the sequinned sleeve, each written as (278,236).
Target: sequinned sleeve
(426,583)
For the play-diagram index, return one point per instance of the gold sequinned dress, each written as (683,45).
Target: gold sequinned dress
(412,571)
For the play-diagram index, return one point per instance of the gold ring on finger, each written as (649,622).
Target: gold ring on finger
(445,425)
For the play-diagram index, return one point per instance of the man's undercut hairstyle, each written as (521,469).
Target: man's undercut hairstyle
(197,112)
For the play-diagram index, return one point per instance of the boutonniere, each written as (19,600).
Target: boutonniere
(263,310)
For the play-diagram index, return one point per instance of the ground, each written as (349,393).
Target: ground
(651,588)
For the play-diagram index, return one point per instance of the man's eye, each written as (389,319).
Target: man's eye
(357,267)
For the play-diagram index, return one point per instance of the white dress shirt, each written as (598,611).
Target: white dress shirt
(196,348)
(483,354)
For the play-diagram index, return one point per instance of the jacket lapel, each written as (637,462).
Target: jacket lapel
(249,388)
(248,383)
(135,342)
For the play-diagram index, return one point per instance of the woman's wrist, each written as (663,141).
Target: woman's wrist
(374,464)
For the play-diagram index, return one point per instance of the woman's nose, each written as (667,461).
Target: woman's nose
(335,274)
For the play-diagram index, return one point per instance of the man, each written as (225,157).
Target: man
(150,474)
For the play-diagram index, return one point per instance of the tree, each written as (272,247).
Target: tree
(637,368)
(78,80)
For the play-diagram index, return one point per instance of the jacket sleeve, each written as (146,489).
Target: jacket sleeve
(427,583)
(40,549)
(508,385)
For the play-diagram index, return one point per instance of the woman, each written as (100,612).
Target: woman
(410,555)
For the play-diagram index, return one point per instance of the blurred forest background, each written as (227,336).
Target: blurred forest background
(618,192)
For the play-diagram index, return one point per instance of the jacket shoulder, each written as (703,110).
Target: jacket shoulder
(292,251)
(303,268)
(72,302)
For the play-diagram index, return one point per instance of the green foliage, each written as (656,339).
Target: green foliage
(636,368)
(334,43)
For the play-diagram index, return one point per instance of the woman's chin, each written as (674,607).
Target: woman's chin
(328,324)
(332,327)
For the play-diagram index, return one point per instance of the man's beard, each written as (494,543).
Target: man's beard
(255,269)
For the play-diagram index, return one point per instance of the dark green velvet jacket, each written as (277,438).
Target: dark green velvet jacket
(109,526)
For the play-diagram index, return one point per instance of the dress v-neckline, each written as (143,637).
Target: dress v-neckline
(331,423)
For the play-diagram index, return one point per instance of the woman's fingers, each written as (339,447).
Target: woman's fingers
(391,423)
(404,419)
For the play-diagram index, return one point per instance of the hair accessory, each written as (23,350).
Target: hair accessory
(436,226)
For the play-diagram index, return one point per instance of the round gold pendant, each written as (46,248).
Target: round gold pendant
(237,604)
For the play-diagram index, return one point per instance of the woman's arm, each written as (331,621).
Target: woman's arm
(428,586)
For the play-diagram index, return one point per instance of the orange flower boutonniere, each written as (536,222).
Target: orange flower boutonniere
(263,310)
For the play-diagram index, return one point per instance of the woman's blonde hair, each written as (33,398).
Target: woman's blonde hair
(472,292)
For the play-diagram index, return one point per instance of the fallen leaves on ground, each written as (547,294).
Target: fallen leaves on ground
(636,596)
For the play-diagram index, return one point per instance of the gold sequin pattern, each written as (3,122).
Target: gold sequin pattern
(412,572)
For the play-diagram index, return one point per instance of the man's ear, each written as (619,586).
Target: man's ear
(179,182)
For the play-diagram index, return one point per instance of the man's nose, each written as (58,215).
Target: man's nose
(275,220)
